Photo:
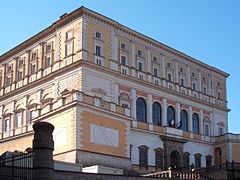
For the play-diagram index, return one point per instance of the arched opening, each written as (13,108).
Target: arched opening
(218,156)
(183,120)
(171,116)
(156,113)
(141,110)
(175,160)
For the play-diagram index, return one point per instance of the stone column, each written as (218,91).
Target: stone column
(43,146)
(164,113)
(190,119)
(133,63)
(133,105)
(178,114)
(200,81)
(201,121)
(163,70)
(188,77)
(212,125)
(149,109)
(176,72)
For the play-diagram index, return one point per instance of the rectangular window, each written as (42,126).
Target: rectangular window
(48,48)
(98,50)
(123,46)
(47,61)
(20,75)
(219,95)
(124,71)
(9,69)
(20,62)
(18,121)
(68,49)
(139,53)
(69,35)
(6,124)
(141,76)
(32,68)
(34,55)
(140,66)
(181,70)
(155,72)
(154,59)
(8,80)
(168,65)
(193,75)
(98,35)
(220,131)
(204,90)
(32,115)
(194,86)
(169,77)
(123,60)
(99,62)
(182,82)
(206,130)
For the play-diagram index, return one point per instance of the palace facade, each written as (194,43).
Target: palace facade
(116,98)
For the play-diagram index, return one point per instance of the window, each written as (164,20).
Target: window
(9,69)
(156,113)
(197,160)
(99,62)
(98,50)
(7,124)
(34,55)
(139,52)
(123,60)
(32,68)
(141,110)
(195,123)
(8,80)
(204,90)
(19,74)
(159,158)
(18,121)
(182,82)
(140,76)
(186,159)
(155,72)
(68,48)
(168,65)
(169,77)
(171,116)
(143,156)
(20,62)
(204,79)
(47,61)
(98,35)
(154,59)
(156,82)
(208,161)
(193,75)
(219,95)
(220,131)
(183,121)
(69,35)
(32,115)
(124,71)
(140,66)
(181,70)
(206,130)
(123,46)
(194,86)
(48,48)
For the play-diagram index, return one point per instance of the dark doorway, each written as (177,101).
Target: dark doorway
(175,160)
(218,156)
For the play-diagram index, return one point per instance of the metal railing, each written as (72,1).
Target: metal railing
(16,166)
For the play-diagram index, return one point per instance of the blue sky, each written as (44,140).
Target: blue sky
(206,30)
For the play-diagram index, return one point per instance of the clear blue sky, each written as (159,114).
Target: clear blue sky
(208,30)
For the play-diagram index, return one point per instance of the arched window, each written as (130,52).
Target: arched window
(171,116)
(141,110)
(156,113)
(183,121)
(195,123)
(143,156)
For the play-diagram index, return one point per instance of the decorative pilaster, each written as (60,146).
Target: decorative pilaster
(178,110)
(133,63)
(133,105)
(188,77)
(149,65)
(190,119)
(201,121)
(176,72)
(200,81)
(149,109)
(164,113)
(163,70)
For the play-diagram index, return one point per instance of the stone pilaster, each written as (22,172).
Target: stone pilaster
(190,119)
(178,110)
(164,113)
(201,122)
(133,60)
(133,104)
(149,109)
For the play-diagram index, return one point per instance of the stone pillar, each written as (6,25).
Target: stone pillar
(212,125)
(190,119)
(200,81)
(163,70)
(164,113)
(188,77)
(176,72)
(133,105)
(43,146)
(149,71)
(149,109)
(133,59)
(201,121)
(178,114)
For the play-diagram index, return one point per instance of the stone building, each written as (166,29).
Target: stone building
(116,98)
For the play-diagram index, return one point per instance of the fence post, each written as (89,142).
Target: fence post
(43,146)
